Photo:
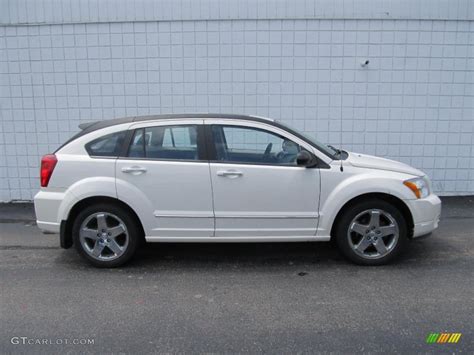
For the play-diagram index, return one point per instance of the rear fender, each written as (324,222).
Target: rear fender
(89,187)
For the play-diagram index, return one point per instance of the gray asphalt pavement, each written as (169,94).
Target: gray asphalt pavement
(228,298)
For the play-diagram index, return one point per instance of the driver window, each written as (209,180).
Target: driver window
(253,145)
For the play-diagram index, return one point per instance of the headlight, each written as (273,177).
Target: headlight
(419,186)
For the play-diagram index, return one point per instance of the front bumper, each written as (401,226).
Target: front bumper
(426,213)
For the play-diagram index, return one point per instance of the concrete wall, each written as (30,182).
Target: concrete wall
(67,62)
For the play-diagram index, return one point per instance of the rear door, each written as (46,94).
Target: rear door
(259,190)
(166,173)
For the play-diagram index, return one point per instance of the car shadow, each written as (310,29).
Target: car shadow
(241,254)
(196,256)
(183,255)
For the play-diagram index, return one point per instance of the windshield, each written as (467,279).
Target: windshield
(330,151)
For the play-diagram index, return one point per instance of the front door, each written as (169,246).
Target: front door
(259,190)
(167,176)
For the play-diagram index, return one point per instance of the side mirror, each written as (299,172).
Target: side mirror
(305,158)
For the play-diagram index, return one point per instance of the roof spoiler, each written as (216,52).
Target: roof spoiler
(85,125)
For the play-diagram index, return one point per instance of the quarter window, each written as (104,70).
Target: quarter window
(106,146)
(253,145)
(165,142)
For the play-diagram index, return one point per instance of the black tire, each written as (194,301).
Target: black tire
(132,227)
(348,215)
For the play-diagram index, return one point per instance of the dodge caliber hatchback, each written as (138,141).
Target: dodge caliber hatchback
(225,178)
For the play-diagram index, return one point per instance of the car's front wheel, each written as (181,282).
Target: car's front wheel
(106,235)
(371,232)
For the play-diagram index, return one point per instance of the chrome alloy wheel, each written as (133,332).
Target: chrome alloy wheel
(373,233)
(104,236)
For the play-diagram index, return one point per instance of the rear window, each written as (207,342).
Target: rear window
(106,146)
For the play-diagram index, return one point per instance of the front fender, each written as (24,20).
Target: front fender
(336,191)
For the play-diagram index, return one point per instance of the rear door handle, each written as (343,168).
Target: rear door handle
(230,173)
(134,170)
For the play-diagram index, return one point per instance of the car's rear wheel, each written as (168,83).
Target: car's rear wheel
(105,235)
(371,232)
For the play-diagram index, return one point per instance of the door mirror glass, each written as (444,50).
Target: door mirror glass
(305,158)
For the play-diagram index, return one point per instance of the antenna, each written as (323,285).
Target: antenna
(342,95)
(340,129)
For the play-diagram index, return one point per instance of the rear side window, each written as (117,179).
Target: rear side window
(106,146)
(165,142)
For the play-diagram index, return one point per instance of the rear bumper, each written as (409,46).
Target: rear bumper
(47,205)
(48,216)
(426,213)
(48,227)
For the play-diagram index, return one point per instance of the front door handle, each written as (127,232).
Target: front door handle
(230,173)
(134,170)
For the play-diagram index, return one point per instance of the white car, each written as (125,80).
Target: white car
(225,178)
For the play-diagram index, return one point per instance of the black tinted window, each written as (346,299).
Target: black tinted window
(165,142)
(106,146)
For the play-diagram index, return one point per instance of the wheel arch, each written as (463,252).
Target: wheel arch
(397,202)
(66,225)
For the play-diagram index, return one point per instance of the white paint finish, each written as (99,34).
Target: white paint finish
(72,168)
(44,11)
(371,162)
(186,214)
(338,188)
(425,228)
(75,177)
(180,201)
(177,194)
(81,189)
(181,187)
(426,214)
(139,201)
(262,200)
(413,103)
(51,227)
(256,199)
(47,206)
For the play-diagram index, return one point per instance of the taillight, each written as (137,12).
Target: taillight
(48,162)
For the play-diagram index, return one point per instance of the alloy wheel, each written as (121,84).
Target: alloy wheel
(373,234)
(104,236)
